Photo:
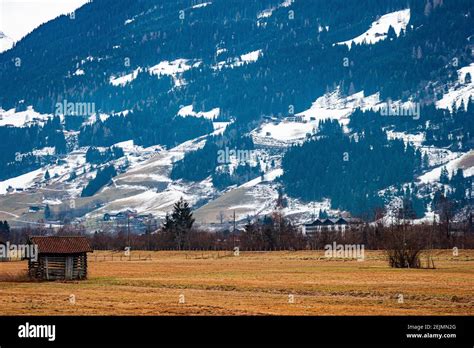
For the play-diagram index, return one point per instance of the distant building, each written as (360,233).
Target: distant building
(131,219)
(34,209)
(120,216)
(329,225)
(294,118)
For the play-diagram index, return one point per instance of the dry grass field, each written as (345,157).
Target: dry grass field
(254,283)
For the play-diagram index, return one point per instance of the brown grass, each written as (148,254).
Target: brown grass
(254,283)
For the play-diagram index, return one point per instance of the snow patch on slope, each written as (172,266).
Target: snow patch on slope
(244,59)
(21,118)
(465,162)
(334,105)
(186,111)
(79,72)
(173,68)
(460,92)
(379,29)
(330,106)
(439,156)
(251,57)
(204,4)
(414,139)
(123,80)
(22,181)
(286,131)
(270,176)
(269,12)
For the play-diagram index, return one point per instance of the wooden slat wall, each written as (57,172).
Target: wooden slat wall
(53,267)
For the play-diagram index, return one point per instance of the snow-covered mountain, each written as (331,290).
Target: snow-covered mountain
(238,107)
(6,42)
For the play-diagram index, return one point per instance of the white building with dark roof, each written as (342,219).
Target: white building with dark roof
(328,225)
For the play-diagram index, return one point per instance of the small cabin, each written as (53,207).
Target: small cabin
(59,258)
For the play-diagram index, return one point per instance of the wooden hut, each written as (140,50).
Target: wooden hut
(59,258)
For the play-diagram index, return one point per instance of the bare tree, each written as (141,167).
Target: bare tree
(221,217)
(403,246)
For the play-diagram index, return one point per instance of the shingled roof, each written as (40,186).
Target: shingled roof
(61,245)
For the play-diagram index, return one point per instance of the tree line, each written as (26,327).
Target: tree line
(402,241)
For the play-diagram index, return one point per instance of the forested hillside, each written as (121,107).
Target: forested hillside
(161,73)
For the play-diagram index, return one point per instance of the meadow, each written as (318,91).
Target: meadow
(252,283)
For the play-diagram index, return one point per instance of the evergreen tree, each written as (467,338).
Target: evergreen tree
(47,212)
(72,176)
(426,161)
(407,210)
(391,33)
(168,224)
(428,8)
(102,178)
(179,223)
(47,176)
(459,185)
(323,214)
(468,78)
(444,176)
(60,146)
(4,227)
